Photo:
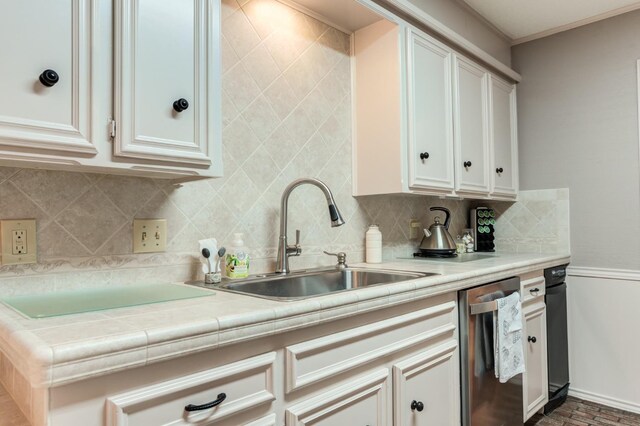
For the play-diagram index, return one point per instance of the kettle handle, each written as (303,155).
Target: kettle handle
(446,212)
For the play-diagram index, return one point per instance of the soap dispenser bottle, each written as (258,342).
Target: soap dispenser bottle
(237,258)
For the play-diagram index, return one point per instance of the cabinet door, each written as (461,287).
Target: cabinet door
(167,107)
(535,378)
(52,112)
(426,388)
(504,142)
(363,401)
(471,127)
(429,114)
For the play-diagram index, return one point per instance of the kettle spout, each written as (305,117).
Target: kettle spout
(427,233)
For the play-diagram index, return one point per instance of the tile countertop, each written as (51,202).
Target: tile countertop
(55,351)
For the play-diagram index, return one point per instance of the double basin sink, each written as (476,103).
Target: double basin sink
(305,284)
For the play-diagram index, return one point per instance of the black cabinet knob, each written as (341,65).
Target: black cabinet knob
(499,170)
(180,105)
(49,78)
(424,155)
(221,397)
(532,339)
(467,164)
(417,405)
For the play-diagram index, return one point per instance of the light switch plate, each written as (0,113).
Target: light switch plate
(18,239)
(149,235)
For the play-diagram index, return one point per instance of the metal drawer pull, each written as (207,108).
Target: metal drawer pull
(534,290)
(483,308)
(417,405)
(191,407)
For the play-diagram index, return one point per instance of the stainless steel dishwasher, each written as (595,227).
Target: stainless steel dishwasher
(485,401)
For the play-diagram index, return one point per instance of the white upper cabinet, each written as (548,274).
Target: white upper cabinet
(91,85)
(504,156)
(45,80)
(164,87)
(427,120)
(403,113)
(471,127)
(430,114)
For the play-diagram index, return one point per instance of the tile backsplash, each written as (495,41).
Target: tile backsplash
(537,223)
(286,114)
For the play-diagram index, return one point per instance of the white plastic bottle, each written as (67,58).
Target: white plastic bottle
(373,245)
(237,258)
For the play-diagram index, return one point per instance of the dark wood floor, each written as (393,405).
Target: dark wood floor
(576,412)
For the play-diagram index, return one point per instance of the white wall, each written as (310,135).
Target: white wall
(578,128)
(469,25)
(603,344)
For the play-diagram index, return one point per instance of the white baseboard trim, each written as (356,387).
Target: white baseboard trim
(605,400)
(611,274)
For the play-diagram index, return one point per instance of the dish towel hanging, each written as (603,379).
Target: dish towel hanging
(509,349)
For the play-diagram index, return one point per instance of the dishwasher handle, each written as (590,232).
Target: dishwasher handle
(483,308)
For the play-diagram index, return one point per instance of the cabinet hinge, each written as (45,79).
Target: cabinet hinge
(112,128)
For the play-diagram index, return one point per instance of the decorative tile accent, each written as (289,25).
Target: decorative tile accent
(538,222)
(91,220)
(52,191)
(129,194)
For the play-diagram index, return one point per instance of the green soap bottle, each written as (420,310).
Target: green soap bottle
(237,258)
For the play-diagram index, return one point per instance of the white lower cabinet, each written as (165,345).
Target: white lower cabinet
(426,387)
(202,398)
(362,401)
(421,350)
(394,366)
(535,379)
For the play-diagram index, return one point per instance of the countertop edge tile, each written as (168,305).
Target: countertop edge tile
(241,318)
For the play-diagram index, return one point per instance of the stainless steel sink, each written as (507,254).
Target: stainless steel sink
(301,285)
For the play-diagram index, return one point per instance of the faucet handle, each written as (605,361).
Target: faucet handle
(294,250)
(342,258)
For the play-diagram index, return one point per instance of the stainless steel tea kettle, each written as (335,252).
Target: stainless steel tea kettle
(437,241)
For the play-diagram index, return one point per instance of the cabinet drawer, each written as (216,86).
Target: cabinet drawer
(364,401)
(532,286)
(316,360)
(246,384)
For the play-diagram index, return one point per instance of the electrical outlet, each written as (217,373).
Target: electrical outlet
(18,239)
(415,227)
(149,235)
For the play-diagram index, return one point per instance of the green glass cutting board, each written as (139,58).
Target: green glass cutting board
(98,299)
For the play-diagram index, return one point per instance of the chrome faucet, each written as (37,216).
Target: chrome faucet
(285,250)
